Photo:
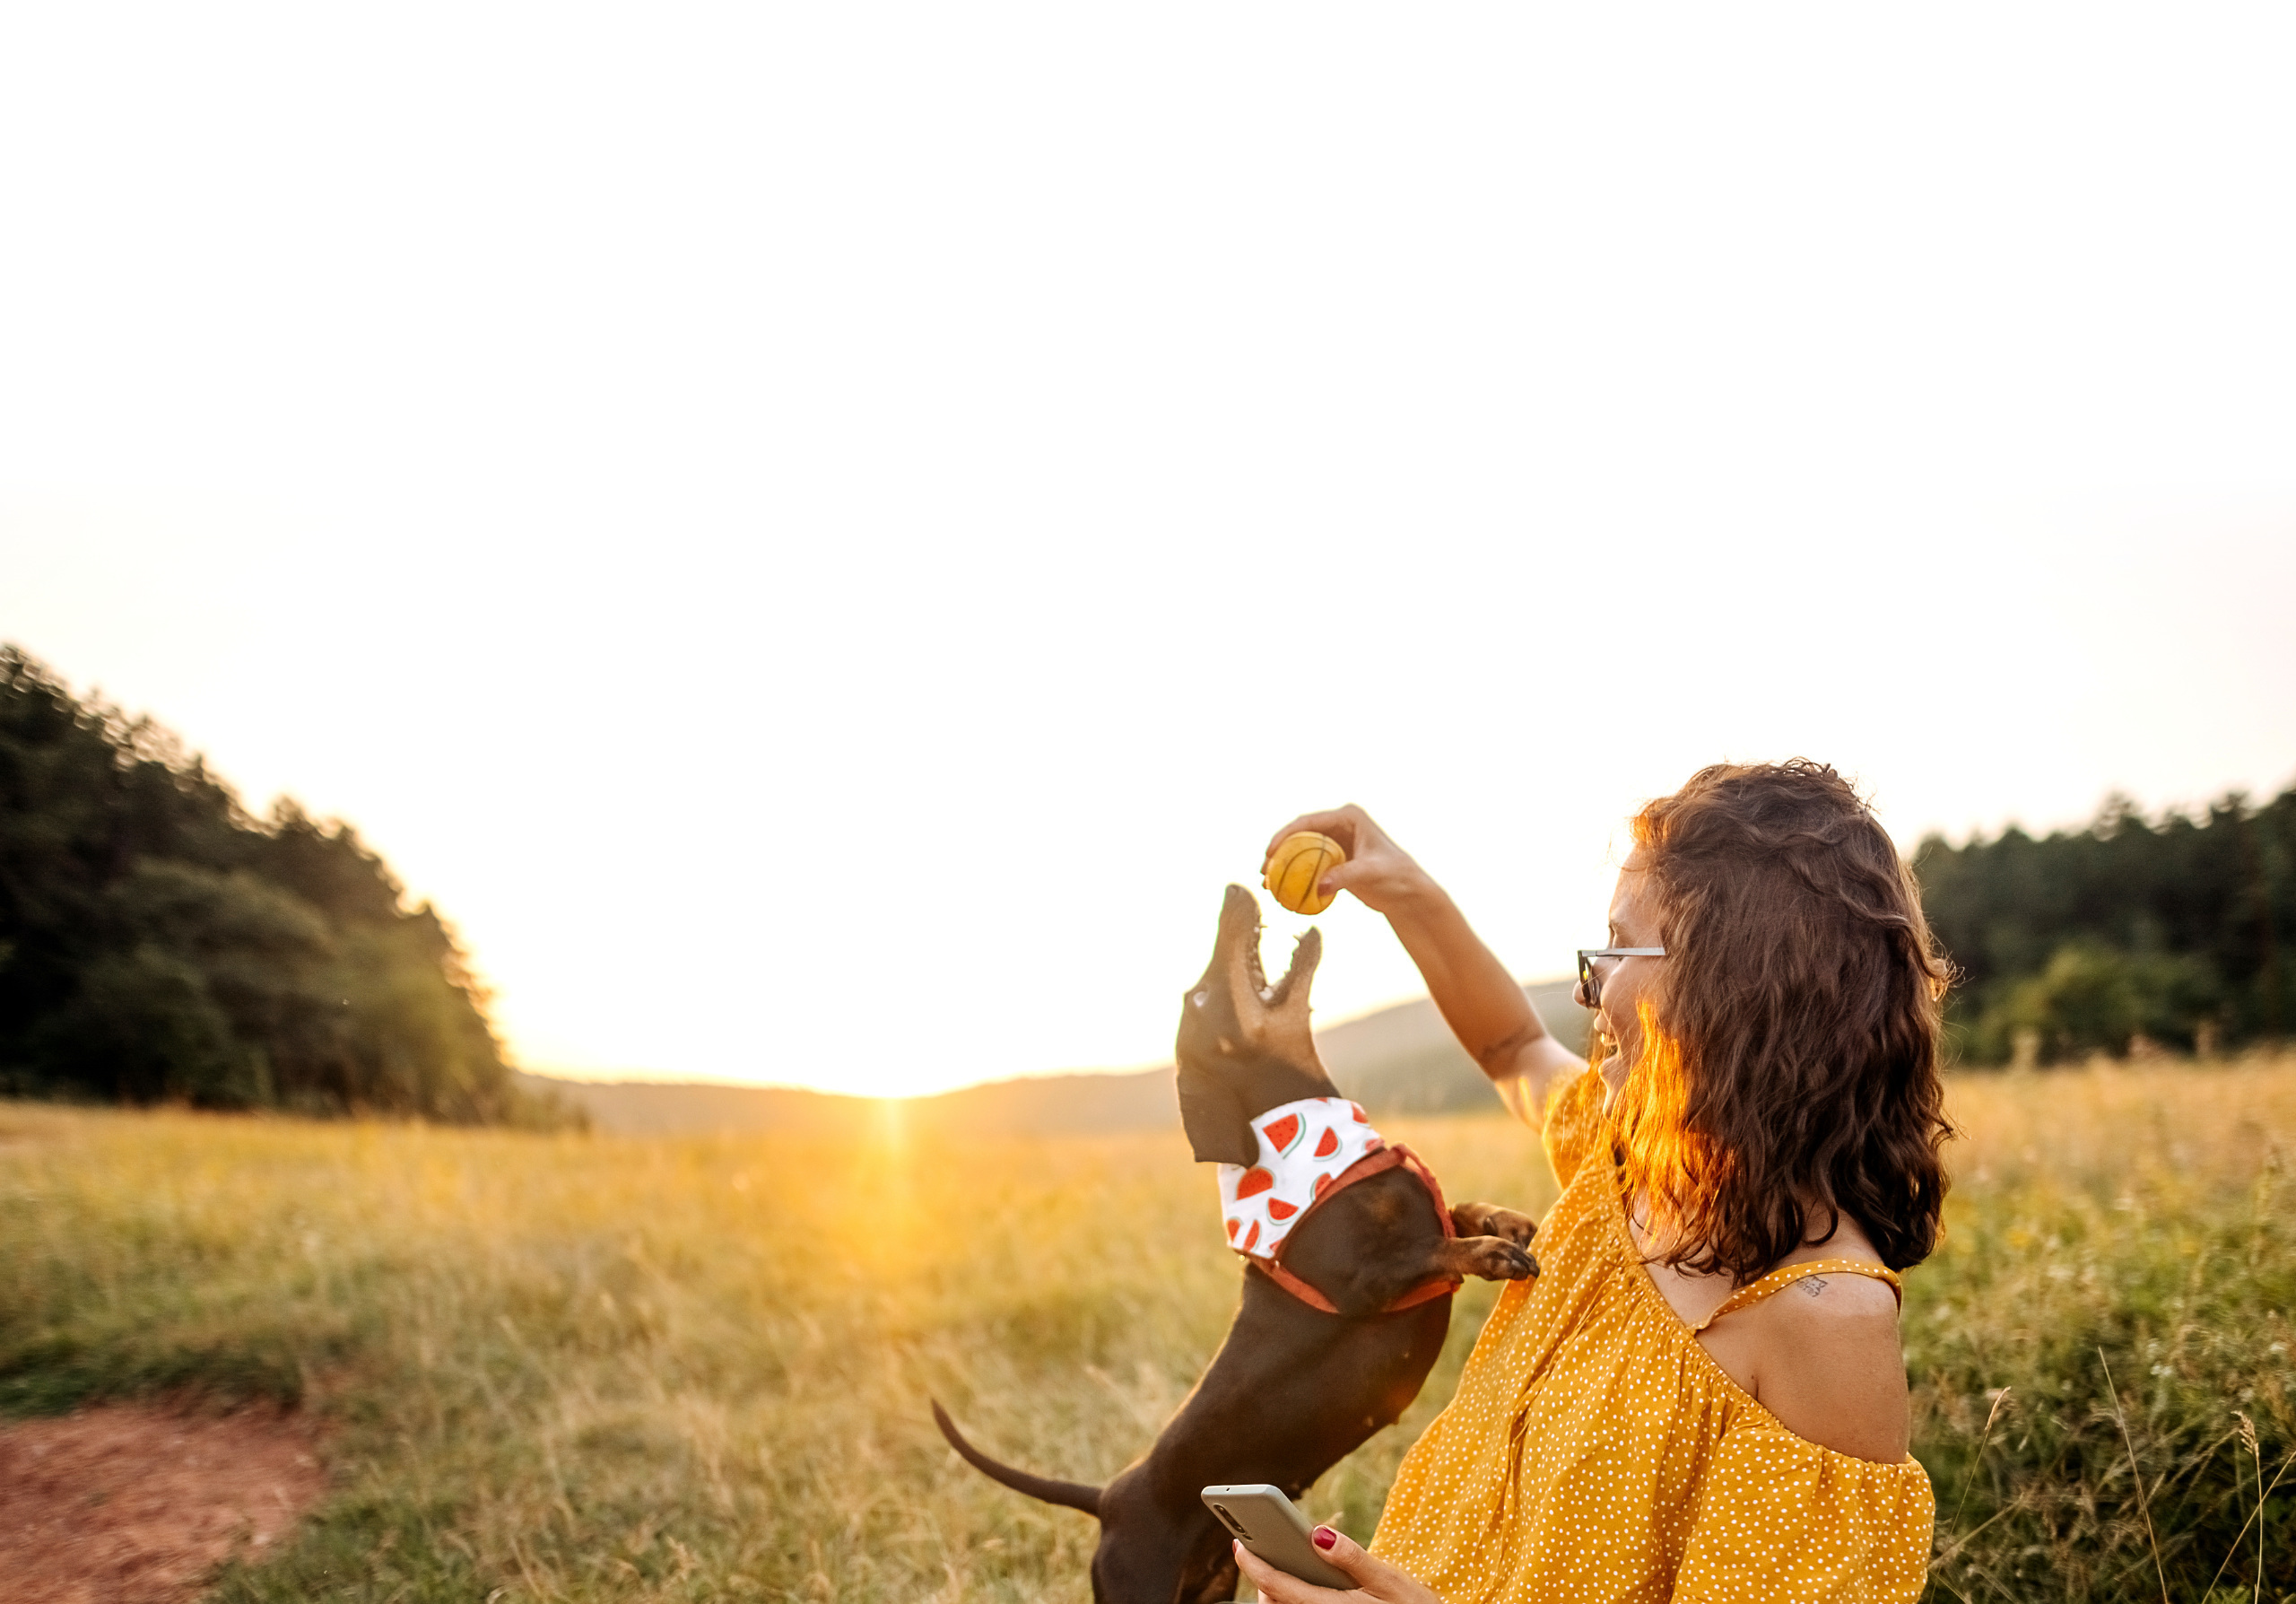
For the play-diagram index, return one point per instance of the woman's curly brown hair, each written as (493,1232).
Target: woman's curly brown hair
(1789,1068)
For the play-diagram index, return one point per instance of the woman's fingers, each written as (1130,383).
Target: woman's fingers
(1380,874)
(1382,880)
(1338,822)
(1349,1554)
(1282,1587)
(1375,1578)
(1375,1581)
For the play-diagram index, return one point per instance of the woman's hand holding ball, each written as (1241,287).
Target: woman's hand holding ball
(1295,869)
(1380,874)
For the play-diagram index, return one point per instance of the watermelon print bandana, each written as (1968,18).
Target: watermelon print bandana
(1303,1147)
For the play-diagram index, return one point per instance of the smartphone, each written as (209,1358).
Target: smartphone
(1272,1527)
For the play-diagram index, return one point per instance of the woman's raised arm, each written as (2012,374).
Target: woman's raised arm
(1480,1002)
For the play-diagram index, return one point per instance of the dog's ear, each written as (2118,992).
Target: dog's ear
(1218,1128)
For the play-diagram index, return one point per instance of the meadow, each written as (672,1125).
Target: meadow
(573,1368)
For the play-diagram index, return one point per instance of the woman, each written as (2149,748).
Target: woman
(1649,1419)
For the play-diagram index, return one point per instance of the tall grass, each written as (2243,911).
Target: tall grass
(577,1368)
(2115,1291)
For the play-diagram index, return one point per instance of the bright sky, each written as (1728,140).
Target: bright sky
(822,536)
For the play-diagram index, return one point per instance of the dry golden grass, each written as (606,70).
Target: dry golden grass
(2138,1219)
(582,1368)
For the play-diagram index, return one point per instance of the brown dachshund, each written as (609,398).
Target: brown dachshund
(1294,1389)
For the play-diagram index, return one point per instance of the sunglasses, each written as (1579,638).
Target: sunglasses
(1590,980)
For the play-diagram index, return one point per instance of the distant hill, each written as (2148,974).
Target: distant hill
(1041,1105)
(1397,1060)
(1404,1059)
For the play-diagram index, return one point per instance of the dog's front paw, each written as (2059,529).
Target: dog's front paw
(1495,1258)
(1488,1219)
(1517,1228)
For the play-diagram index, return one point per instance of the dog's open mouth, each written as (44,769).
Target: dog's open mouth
(1235,994)
(1253,969)
(1256,970)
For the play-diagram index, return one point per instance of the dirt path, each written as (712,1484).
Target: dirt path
(139,1505)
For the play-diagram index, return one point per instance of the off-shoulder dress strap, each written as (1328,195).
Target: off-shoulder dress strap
(1785,1276)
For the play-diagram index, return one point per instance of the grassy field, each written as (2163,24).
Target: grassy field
(577,1368)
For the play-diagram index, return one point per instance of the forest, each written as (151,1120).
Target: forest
(159,944)
(2129,934)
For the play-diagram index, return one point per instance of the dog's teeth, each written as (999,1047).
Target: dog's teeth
(1267,993)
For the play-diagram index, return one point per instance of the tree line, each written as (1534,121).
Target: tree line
(157,943)
(2177,932)
(160,942)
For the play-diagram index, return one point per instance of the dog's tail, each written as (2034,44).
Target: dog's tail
(1068,1494)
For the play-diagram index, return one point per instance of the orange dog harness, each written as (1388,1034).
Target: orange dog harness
(1309,1151)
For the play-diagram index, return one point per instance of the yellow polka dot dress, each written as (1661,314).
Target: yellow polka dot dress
(1595,1452)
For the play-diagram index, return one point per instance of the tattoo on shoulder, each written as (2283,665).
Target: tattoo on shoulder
(1813,1286)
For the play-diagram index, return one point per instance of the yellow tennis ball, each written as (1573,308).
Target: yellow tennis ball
(1302,860)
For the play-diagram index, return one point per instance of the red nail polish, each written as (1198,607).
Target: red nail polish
(1325,1537)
